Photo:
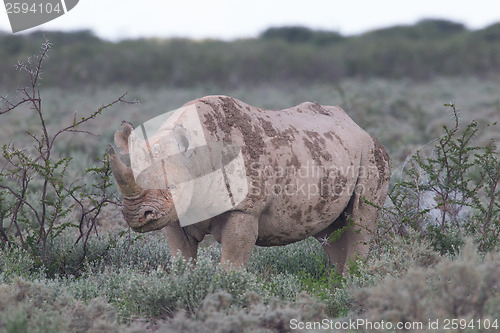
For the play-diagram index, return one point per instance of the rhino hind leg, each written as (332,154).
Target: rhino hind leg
(337,250)
(360,217)
(354,240)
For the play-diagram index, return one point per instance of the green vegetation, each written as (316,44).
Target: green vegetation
(428,49)
(452,193)
(68,263)
(36,195)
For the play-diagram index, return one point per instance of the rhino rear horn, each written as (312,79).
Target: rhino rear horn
(123,174)
(121,137)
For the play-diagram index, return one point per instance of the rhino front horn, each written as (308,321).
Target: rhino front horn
(121,137)
(123,174)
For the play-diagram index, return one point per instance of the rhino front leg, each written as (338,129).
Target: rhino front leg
(179,240)
(238,235)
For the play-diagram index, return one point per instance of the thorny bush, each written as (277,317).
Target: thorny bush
(451,194)
(36,192)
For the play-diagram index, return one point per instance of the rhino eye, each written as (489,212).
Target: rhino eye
(181,136)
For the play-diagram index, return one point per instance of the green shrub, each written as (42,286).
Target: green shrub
(451,194)
(38,307)
(400,253)
(463,288)
(306,256)
(140,252)
(394,259)
(161,292)
(141,279)
(15,263)
(218,314)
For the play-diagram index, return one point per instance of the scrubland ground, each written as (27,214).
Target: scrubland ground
(403,114)
(418,271)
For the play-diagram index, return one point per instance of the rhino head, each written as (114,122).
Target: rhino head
(143,209)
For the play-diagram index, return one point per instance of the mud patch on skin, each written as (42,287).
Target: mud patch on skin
(331,135)
(381,161)
(228,115)
(278,138)
(297,216)
(316,146)
(320,206)
(268,128)
(254,143)
(318,108)
(216,121)
(293,162)
(324,187)
(339,187)
(328,135)
(284,138)
(210,123)
(315,154)
(315,136)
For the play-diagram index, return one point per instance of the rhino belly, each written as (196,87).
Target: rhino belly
(287,221)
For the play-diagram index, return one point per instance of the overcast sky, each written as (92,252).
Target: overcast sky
(229,19)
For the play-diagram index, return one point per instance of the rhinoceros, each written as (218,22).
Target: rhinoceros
(309,170)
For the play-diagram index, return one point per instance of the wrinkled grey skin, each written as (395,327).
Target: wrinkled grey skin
(304,137)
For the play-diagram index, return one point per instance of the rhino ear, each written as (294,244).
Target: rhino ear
(121,137)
